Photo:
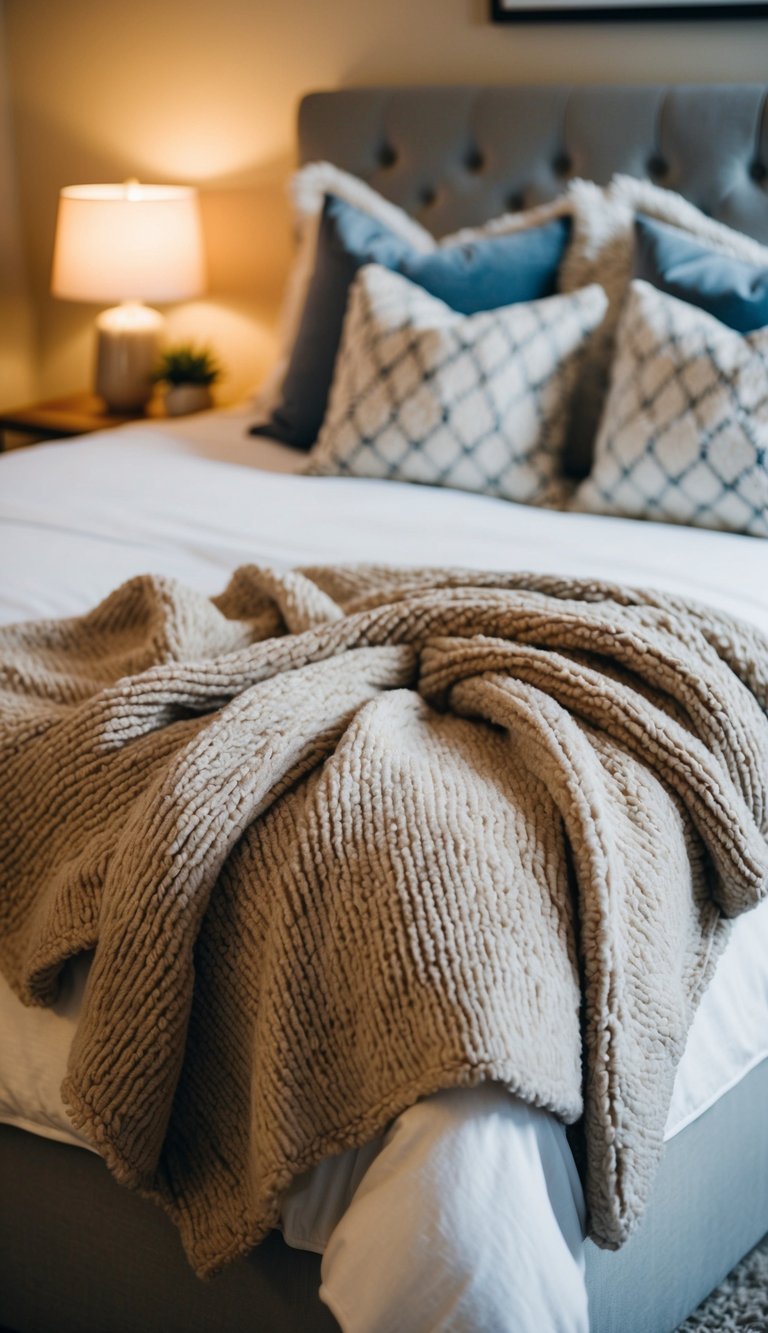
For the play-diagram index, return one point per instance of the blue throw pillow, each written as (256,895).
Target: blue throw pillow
(733,290)
(481,274)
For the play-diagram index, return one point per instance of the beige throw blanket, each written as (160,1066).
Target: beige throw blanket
(347,836)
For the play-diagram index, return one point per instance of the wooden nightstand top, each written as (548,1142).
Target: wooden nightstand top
(78,414)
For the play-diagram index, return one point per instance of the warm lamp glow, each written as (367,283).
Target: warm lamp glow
(128,243)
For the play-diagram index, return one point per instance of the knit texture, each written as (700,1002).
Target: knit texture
(343,837)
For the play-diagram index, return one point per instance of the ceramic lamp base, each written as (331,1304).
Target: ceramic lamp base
(127,350)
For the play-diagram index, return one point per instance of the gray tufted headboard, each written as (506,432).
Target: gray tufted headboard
(456,156)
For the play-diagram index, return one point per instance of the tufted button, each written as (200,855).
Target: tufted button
(759,172)
(428,196)
(387,155)
(474,160)
(562,164)
(657,167)
(515,202)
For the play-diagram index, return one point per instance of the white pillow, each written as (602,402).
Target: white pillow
(603,243)
(602,250)
(684,434)
(309,187)
(478,402)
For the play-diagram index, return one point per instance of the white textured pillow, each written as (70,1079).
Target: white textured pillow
(602,250)
(479,402)
(684,434)
(603,243)
(309,187)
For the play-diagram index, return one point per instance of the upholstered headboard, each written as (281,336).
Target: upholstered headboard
(457,156)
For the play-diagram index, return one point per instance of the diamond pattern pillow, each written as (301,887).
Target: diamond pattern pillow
(310,187)
(479,402)
(684,434)
(602,250)
(480,275)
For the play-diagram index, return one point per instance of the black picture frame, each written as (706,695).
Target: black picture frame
(507,11)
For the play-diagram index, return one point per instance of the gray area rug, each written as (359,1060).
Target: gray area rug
(740,1303)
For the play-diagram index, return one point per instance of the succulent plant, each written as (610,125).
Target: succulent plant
(187,364)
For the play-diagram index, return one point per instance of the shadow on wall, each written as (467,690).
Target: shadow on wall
(16,330)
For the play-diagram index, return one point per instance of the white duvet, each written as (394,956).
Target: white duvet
(195,499)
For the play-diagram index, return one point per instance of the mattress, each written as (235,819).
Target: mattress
(195,498)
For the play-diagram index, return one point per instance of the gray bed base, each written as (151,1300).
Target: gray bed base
(80,1255)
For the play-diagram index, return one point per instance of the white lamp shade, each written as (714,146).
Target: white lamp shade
(128,242)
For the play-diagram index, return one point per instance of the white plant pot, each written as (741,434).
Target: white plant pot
(182,399)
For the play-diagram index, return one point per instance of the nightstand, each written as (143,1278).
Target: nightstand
(79,414)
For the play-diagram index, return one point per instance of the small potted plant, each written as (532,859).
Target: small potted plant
(188,373)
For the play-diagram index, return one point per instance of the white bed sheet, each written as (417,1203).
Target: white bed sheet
(76,517)
(194,499)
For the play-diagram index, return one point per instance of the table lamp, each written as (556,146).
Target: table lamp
(129,243)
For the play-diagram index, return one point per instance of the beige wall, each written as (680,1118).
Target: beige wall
(16,344)
(206,91)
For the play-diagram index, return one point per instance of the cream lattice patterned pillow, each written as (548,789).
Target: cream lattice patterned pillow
(478,402)
(684,434)
(602,250)
(291,403)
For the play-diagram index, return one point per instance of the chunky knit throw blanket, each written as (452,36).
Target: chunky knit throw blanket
(344,837)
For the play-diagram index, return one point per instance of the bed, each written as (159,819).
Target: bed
(195,499)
